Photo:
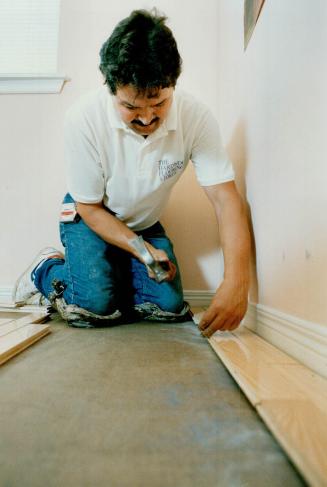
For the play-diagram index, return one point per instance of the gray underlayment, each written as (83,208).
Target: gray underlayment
(138,405)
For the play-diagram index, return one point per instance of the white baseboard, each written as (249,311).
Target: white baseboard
(194,297)
(6,302)
(6,294)
(301,339)
(198,298)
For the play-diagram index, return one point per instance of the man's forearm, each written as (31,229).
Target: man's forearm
(117,233)
(229,304)
(235,242)
(107,226)
(234,231)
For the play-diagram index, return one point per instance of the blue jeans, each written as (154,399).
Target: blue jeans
(102,278)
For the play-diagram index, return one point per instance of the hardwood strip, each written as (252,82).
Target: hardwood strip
(18,315)
(251,362)
(290,398)
(22,308)
(10,305)
(15,324)
(15,342)
(9,327)
(18,332)
(300,428)
(37,317)
(3,321)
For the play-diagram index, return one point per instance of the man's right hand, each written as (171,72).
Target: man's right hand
(161,256)
(114,231)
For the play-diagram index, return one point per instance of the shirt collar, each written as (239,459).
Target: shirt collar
(171,119)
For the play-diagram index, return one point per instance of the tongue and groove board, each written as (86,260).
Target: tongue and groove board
(16,334)
(290,398)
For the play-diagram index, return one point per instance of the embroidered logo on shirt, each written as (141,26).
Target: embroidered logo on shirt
(168,169)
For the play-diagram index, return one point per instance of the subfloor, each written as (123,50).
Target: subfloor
(138,405)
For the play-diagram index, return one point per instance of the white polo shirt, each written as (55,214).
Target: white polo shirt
(133,176)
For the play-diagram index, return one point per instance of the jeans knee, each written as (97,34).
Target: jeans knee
(99,303)
(173,303)
(98,308)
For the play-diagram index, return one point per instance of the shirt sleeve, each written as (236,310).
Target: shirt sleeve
(85,178)
(209,158)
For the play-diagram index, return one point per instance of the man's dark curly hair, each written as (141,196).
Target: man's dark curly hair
(141,52)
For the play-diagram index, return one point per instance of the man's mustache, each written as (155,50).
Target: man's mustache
(138,122)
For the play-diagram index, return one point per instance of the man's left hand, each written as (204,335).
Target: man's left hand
(227,309)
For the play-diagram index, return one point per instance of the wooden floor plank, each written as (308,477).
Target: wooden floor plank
(9,327)
(290,398)
(252,362)
(247,349)
(22,308)
(15,342)
(15,324)
(310,384)
(4,321)
(19,331)
(299,427)
(13,314)
(10,305)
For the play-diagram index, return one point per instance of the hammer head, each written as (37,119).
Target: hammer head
(158,268)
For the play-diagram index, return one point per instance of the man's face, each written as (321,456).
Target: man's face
(142,113)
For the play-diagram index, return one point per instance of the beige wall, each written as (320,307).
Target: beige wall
(31,151)
(273,117)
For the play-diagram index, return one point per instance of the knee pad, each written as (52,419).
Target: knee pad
(80,317)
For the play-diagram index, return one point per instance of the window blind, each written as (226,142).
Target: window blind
(29,36)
